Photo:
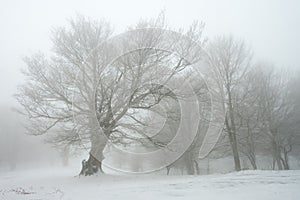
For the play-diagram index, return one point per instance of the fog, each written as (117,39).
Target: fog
(21,151)
(271,28)
(196,87)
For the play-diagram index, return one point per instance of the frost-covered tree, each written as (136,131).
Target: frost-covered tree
(77,92)
(229,60)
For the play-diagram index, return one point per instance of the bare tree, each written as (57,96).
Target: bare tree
(47,97)
(79,82)
(249,124)
(276,108)
(229,60)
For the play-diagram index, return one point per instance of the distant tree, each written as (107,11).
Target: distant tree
(248,118)
(277,112)
(229,60)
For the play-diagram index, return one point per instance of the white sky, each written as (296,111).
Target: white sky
(272,27)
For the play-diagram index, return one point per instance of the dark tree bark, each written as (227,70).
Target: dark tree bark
(91,166)
(94,163)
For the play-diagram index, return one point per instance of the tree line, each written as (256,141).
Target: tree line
(76,90)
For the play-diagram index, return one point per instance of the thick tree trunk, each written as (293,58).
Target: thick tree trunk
(91,166)
(94,163)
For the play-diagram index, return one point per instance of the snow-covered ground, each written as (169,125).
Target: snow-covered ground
(60,183)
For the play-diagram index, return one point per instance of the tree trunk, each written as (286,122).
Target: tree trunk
(232,131)
(168,169)
(233,144)
(189,163)
(197,167)
(276,155)
(285,161)
(208,166)
(286,157)
(91,166)
(279,163)
(94,163)
(273,163)
(237,162)
(252,160)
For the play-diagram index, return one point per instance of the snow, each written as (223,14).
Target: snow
(60,183)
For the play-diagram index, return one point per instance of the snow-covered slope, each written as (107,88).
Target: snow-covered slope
(58,183)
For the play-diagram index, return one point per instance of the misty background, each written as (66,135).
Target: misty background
(271,28)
